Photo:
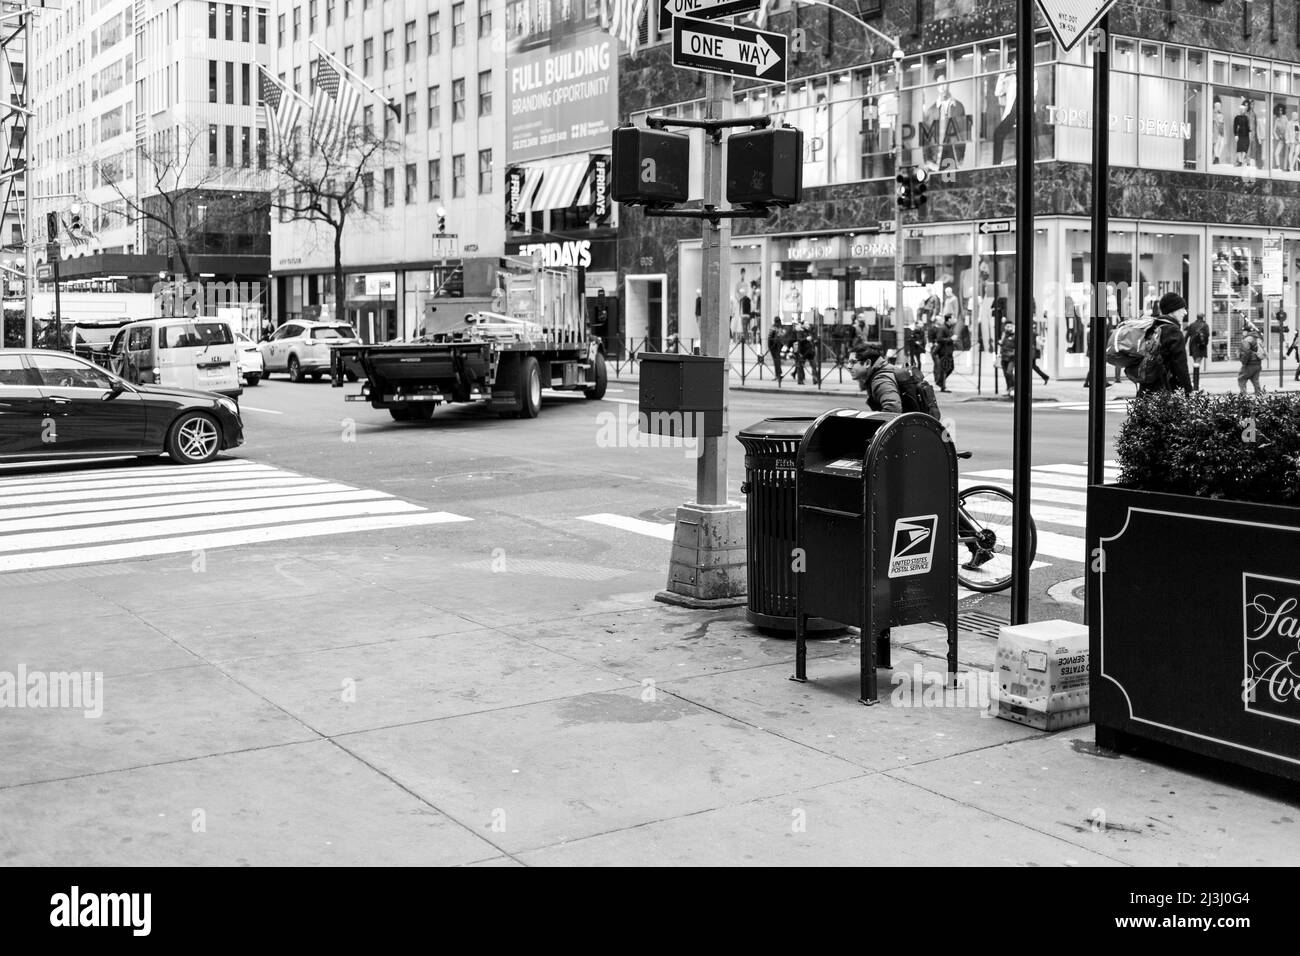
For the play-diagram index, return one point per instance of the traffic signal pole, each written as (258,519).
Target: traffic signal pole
(898,207)
(711,466)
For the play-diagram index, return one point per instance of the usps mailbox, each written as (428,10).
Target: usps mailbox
(876,519)
(681,395)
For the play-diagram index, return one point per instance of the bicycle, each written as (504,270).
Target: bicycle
(985,537)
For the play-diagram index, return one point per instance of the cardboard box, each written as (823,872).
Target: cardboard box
(1043,674)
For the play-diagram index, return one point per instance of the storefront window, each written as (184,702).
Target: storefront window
(1169,262)
(1236,293)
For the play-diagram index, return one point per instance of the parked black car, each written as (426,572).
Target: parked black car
(55,405)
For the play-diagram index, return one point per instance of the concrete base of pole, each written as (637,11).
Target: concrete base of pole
(707,568)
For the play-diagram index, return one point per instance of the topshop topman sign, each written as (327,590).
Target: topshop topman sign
(1071,19)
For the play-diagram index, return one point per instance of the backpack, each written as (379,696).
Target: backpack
(916,393)
(1132,342)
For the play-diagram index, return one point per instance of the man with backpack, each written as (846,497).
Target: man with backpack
(775,342)
(1151,351)
(1198,343)
(892,389)
(1250,364)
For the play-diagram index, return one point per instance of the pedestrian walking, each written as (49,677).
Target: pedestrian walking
(775,343)
(915,344)
(1251,362)
(1038,353)
(942,354)
(805,353)
(875,376)
(1164,368)
(1294,350)
(1007,356)
(1198,344)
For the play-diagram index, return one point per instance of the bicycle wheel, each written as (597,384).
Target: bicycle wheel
(985,538)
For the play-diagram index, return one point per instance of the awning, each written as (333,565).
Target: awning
(558,188)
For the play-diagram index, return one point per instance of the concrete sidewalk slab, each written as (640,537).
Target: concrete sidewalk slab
(562,770)
(112,641)
(825,714)
(1137,811)
(401,682)
(147,719)
(306,804)
(668,643)
(868,821)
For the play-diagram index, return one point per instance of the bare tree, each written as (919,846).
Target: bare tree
(183,197)
(333,187)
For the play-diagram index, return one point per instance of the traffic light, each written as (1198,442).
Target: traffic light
(912,184)
(765,167)
(75,228)
(651,167)
(51,226)
(442,221)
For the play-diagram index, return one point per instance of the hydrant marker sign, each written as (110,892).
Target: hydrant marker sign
(1071,19)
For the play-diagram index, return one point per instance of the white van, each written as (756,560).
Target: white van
(194,353)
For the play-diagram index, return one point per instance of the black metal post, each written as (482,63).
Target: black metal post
(53,254)
(1098,374)
(1022,455)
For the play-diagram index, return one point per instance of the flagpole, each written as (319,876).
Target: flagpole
(284,86)
(388,101)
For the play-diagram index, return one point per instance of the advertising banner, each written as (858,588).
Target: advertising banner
(563,81)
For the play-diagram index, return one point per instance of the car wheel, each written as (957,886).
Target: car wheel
(252,380)
(597,391)
(295,370)
(530,388)
(194,438)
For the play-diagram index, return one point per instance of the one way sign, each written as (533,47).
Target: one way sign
(704,9)
(732,51)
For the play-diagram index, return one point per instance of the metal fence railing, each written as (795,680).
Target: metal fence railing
(749,360)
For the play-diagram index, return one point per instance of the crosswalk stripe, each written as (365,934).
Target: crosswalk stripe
(652,529)
(145,529)
(1040,493)
(142,472)
(126,505)
(124,516)
(162,481)
(1036,477)
(1043,514)
(245,484)
(1075,470)
(1063,546)
(222,539)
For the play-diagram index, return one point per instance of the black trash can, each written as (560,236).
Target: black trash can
(770,449)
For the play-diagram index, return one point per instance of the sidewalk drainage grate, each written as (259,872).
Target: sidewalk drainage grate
(985,625)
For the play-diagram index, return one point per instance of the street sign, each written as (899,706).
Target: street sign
(732,51)
(44,272)
(445,246)
(1071,19)
(994,227)
(702,9)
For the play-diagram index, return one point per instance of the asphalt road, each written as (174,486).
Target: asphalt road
(524,481)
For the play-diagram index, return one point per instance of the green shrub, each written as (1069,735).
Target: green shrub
(1239,447)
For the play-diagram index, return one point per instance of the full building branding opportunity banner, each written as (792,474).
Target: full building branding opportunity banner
(563,83)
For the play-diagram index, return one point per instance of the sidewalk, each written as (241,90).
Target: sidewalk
(963,385)
(513,718)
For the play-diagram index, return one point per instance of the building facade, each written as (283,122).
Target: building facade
(152,105)
(1205,176)
(442,63)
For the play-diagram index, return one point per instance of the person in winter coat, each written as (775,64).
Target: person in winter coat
(1007,356)
(1169,369)
(1197,337)
(942,353)
(775,342)
(875,376)
(1250,364)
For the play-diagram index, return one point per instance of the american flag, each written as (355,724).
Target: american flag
(333,106)
(760,15)
(283,110)
(621,19)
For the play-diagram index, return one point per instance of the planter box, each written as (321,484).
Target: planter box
(1195,641)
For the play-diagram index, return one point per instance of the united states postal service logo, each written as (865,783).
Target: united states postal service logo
(913,550)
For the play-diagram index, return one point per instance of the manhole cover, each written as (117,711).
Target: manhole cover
(476,476)
(985,625)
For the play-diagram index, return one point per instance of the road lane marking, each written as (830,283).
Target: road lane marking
(653,529)
(264,411)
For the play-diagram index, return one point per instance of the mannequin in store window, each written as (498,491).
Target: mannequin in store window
(1257,131)
(1293,142)
(1243,134)
(943,128)
(1005,91)
(1280,124)
(1219,125)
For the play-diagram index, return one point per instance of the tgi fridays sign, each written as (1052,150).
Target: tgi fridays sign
(1271,635)
(599,179)
(514,194)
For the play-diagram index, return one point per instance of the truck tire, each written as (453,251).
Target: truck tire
(400,414)
(597,391)
(530,388)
